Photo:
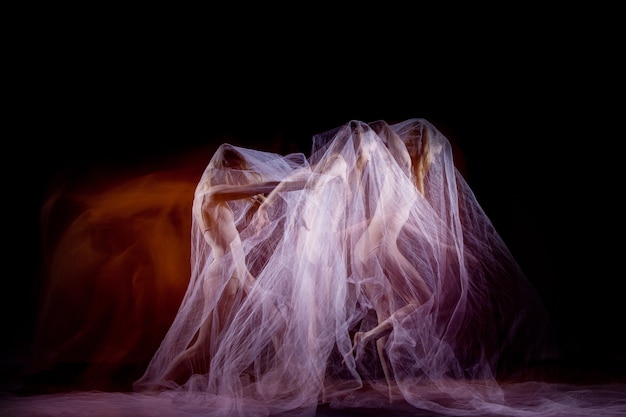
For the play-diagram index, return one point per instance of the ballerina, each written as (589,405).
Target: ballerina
(377,243)
(227,179)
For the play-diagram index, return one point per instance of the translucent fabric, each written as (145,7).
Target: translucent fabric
(363,274)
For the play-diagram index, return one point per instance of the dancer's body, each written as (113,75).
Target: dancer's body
(228,179)
(388,201)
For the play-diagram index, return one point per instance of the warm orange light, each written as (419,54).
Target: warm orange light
(117,265)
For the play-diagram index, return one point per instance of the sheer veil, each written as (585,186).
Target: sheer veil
(366,272)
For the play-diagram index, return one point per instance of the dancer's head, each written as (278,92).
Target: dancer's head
(229,166)
(365,143)
(394,144)
(228,157)
(334,165)
(418,145)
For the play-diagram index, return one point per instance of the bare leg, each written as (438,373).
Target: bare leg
(183,366)
(382,330)
(382,357)
(401,270)
(195,358)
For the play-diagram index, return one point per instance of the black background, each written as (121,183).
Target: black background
(531,105)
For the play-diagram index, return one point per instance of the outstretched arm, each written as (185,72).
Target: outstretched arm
(225,192)
(294,182)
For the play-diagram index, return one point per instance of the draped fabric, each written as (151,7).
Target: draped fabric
(364,273)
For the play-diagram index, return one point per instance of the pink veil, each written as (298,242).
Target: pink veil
(378,279)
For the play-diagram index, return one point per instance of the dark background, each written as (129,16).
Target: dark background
(532,107)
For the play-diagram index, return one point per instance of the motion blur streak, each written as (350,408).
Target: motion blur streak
(116,265)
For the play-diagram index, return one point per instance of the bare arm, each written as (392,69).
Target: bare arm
(296,181)
(236,192)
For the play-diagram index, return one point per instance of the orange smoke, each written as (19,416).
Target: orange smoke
(117,263)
